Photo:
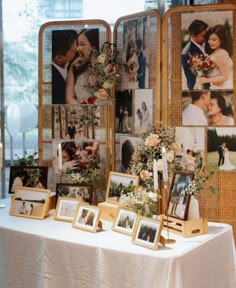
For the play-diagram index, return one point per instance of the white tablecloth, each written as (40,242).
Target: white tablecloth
(48,253)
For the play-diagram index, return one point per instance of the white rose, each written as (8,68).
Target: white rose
(170,155)
(102,58)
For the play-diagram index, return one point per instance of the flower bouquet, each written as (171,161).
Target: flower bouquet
(200,64)
(102,72)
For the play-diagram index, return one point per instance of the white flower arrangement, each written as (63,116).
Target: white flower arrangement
(142,201)
(155,138)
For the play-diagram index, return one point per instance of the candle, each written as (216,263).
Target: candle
(164,161)
(155,175)
(1,155)
(59,157)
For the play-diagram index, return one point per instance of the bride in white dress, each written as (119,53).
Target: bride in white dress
(227,164)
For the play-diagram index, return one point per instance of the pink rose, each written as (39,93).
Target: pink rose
(152,140)
(101,94)
(144,175)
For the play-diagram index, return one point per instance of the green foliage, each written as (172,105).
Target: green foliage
(30,160)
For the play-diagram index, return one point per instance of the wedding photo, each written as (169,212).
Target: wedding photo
(191,147)
(208,108)
(75,156)
(75,122)
(207,48)
(124,112)
(71,55)
(135,53)
(143,108)
(127,146)
(221,149)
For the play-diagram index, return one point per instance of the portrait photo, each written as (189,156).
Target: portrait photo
(191,148)
(127,147)
(143,109)
(207,48)
(86,217)
(75,155)
(65,209)
(71,55)
(135,55)
(178,200)
(124,112)
(147,232)
(221,149)
(81,192)
(75,122)
(120,184)
(208,108)
(30,202)
(28,176)
(124,221)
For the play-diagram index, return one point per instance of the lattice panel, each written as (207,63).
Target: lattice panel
(221,207)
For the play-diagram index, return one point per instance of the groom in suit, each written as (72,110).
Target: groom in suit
(221,154)
(196,46)
(64,46)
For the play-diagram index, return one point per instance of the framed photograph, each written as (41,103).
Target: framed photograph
(30,202)
(120,184)
(147,232)
(28,176)
(178,200)
(86,217)
(65,209)
(124,221)
(82,192)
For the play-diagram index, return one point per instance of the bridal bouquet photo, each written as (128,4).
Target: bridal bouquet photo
(200,64)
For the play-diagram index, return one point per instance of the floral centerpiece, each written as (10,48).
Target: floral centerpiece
(150,149)
(102,72)
(143,202)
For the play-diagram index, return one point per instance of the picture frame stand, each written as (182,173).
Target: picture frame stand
(188,228)
(108,210)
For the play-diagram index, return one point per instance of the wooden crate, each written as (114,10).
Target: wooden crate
(187,228)
(108,210)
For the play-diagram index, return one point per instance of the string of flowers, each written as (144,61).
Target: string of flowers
(154,139)
(102,71)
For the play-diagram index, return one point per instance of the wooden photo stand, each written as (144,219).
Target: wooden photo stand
(188,228)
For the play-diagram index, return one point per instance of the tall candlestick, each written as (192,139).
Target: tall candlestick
(164,161)
(59,157)
(155,175)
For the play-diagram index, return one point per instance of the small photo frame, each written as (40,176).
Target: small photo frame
(28,176)
(178,200)
(65,209)
(124,221)
(120,184)
(30,202)
(82,192)
(86,217)
(147,232)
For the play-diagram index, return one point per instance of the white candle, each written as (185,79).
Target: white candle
(59,157)
(155,175)
(1,152)
(164,161)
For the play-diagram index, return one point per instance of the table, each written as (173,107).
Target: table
(48,253)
